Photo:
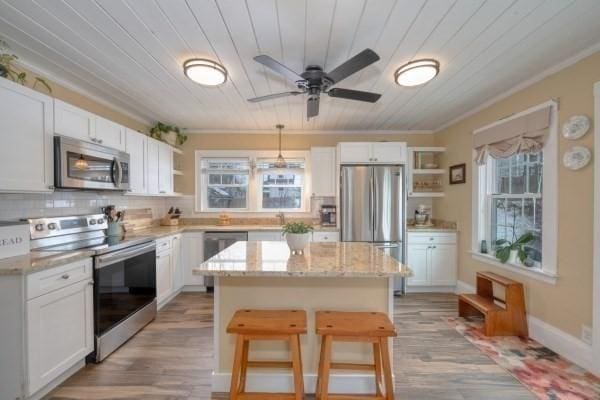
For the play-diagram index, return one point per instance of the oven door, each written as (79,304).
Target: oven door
(82,165)
(124,282)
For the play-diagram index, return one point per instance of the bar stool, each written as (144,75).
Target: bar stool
(286,325)
(373,327)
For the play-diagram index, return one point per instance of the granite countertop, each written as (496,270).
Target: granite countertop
(333,259)
(38,261)
(434,228)
(161,231)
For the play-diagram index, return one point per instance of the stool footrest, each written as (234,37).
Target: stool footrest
(353,366)
(354,397)
(266,396)
(269,364)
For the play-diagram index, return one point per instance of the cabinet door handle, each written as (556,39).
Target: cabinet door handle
(65,276)
(100,141)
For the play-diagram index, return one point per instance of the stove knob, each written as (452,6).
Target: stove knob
(52,226)
(39,227)
(92,222)
(100,220)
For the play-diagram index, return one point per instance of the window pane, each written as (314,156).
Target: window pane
(227,179)
(281,197)
(282,179)
(502,175)
(517,174)
(241,179)
(226,197)
(528,220)
(214,179)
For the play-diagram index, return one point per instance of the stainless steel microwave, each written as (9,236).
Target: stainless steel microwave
(88,166)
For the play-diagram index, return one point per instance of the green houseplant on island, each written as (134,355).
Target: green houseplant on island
(297,236)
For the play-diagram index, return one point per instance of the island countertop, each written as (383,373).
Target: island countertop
(320,259)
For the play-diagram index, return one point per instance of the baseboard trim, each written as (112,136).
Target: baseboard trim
(562,343)
(430,289)
(283,382)
(193,288)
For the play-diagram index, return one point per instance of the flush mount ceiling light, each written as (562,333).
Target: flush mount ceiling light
(417,72)
(205,72)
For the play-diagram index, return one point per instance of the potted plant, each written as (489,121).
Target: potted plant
(168,133)
(297,235)
(7,69)
(514,252)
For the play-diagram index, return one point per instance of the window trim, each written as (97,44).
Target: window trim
(254,187)
(549,268)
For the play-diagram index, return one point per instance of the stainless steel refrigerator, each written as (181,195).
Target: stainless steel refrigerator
(372,208)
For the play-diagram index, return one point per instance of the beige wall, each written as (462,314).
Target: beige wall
(76,99)
(568,304)
(269,142)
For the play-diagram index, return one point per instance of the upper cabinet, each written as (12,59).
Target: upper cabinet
(165,168)
(372,152)
(136,145)
(80,124)
(323,171)
(110,134)
(26,154)
(152,166)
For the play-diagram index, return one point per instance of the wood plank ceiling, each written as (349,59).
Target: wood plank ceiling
(130,54)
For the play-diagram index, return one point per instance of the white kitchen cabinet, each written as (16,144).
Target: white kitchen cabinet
(165,169)
(26,158)
(417,261)
(152,166)
(109,133)
(192,256)
(164,276)
(136,145)
(59,331)
(372,152)
(272,236)
(433,259)
(74,122)
(325,236)
(322,170)
(176,261)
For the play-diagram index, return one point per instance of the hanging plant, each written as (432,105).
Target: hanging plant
(168,133)
(7,69)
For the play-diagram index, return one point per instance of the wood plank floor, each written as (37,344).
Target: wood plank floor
(171,358)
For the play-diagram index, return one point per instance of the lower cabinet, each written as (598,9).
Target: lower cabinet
(192,256)
(164,276)
(59,322)
(169,268)
(273,236)
(432,258)
(325,236)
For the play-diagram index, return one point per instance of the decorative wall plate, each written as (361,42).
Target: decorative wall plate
(575,127)
(577,157)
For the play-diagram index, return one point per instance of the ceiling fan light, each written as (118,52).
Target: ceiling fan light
(205,72)
(417,72)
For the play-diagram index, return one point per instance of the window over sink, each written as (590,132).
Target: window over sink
(249,181)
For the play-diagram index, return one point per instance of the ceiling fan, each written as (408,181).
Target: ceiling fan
(315,81)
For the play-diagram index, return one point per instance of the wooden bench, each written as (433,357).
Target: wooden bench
(503,317)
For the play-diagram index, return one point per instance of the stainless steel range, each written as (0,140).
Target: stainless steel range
(124,274)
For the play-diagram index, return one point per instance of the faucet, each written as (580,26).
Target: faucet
(281,216)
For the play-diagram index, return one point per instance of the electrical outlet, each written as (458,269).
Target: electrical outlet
(586,334)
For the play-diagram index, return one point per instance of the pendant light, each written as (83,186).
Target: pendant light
(81,163)
(280,162)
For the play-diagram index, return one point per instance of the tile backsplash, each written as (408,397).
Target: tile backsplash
(17,206)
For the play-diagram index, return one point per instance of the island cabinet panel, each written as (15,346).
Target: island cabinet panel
(26,152)
(432,257)
(322,171)
(59,332)
(271,236)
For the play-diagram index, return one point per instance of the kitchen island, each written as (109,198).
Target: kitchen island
(340,276)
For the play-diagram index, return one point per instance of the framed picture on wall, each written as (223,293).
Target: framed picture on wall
(458,174)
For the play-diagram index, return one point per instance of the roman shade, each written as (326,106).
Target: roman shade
(523,134)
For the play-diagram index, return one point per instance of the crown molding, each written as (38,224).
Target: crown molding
(84,92)
(524,84)
(305,132)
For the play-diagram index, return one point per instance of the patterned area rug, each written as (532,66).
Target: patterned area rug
(542,371)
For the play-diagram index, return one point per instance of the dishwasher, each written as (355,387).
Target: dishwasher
(214,243)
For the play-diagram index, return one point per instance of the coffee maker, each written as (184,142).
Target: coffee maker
(328,215)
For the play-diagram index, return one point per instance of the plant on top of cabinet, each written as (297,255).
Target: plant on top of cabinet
(7,70)
(170,134)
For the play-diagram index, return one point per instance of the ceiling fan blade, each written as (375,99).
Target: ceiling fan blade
(355,64)
(312,107)
(273,96)
(279,68)
(354,95)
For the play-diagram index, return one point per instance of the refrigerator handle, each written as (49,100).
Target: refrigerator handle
(372,203)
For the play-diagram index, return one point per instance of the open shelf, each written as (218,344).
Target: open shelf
(424,175)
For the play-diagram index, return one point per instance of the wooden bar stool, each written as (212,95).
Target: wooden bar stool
(251,325)
(373,327)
